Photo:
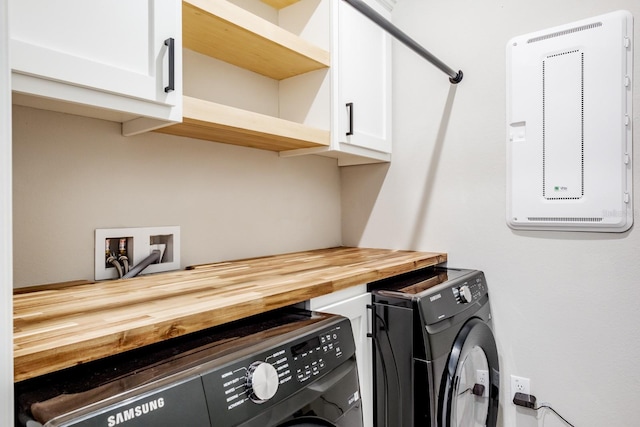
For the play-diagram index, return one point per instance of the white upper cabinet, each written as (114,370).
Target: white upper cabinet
(363,77)
(357,93)
(112,60)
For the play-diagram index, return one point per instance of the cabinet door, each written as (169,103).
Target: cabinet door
(364,81)
(355,309)
(113,47)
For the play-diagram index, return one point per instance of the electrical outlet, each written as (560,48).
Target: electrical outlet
(482,377)
(519,385)
(136,244)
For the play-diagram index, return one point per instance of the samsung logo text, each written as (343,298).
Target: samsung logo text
(135,412)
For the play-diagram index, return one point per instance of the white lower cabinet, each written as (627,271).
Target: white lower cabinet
(352,303)
(119,60)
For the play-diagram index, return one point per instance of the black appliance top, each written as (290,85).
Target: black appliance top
(439,292)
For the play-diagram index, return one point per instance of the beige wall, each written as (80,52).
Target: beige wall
(73,175)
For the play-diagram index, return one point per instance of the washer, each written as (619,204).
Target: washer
(435,357)
(285,368)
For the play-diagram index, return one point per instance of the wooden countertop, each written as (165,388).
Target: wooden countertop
(62,326)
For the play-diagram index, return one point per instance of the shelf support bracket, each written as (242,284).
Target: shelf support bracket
(366,10)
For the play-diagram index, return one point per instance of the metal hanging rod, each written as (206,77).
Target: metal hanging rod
(367,11)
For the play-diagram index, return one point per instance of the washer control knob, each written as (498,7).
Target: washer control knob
(464,294)
(262,381)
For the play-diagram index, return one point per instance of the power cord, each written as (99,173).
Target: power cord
(529,401)
(555,412)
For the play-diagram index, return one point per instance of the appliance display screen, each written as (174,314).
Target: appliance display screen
(304,347)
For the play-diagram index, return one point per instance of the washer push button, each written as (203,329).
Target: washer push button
(311,363)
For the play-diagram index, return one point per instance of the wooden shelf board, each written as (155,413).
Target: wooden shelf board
(222,30)
(220,123)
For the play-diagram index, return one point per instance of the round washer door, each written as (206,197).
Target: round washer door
(469,388)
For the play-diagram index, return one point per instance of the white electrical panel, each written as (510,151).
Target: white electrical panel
(569,116)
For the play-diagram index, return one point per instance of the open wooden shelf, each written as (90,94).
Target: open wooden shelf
(220,123)
(222,30)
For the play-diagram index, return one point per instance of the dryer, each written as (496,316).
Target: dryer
(285,368)
(435,357)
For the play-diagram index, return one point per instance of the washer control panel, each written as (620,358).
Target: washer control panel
(453,297)
(310,357)
(243,388)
